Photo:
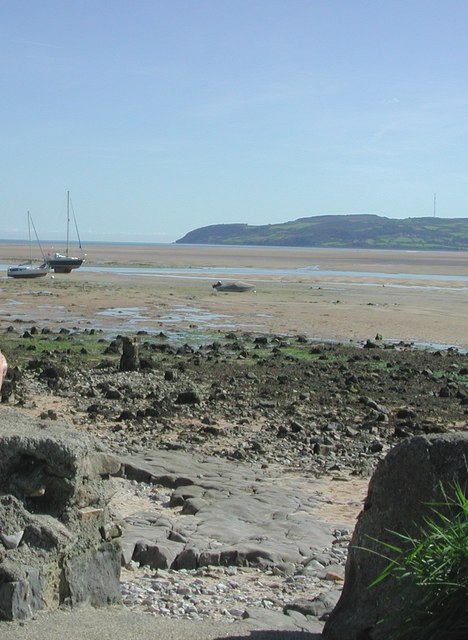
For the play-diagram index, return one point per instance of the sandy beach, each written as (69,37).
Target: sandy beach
(325,295)
(341,295)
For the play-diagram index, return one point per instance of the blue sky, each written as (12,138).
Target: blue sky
(164,116)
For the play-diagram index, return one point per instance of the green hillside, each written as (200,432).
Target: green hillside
(359,231)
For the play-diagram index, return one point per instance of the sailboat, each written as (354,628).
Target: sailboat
(65,263)
(28,269)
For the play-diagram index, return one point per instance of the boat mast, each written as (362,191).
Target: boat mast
(68,219)
(37,237)
(29,238)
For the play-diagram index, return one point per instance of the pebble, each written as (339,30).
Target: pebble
(209,593)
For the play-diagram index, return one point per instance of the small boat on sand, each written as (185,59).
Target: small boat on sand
(28,270)
(235,287)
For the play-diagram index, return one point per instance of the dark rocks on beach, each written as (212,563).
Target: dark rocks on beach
(334,405)
(250,408)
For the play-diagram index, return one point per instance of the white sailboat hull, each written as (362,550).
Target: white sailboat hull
(27,271)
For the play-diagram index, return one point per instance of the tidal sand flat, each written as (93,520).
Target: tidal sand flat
(339,295)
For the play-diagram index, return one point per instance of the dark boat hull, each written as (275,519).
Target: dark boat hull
(64,265)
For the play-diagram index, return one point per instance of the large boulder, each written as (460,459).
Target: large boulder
(412,477)
(58,542)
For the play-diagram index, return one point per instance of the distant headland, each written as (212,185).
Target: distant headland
(359,231)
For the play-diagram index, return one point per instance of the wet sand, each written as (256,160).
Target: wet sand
(355,307)
(174,255)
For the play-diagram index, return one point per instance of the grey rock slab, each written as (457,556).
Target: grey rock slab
(160,555)
(94,577)
(269,619)
(236,514)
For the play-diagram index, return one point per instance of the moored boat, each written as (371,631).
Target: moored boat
(28,269)
(64,263)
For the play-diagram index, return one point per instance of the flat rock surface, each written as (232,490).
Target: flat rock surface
(253,542)
(217,506)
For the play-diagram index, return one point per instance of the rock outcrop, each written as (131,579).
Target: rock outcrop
(129,360)
(58,543)
(405,485)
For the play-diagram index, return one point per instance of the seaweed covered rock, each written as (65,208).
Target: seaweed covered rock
(58,542)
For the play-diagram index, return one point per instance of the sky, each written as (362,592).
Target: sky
(162,116)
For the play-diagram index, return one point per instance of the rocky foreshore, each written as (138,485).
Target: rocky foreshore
(222,444)
(317,407)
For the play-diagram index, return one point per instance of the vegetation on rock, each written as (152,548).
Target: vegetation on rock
(432,569)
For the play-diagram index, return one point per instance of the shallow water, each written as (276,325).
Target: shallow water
(139,318)
(212,272)
(208,273)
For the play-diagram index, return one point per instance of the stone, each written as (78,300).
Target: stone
(56,545)
(318,606)
(190,396)
(412,477)
(129,360)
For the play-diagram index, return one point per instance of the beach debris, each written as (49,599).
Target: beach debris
(235,287)
(13,540)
